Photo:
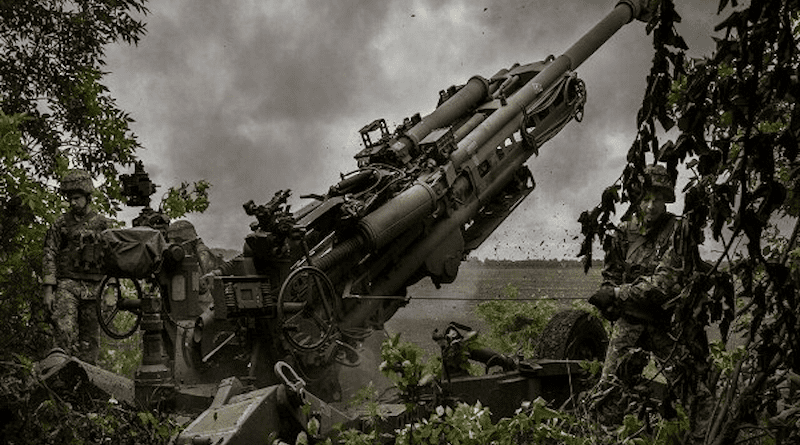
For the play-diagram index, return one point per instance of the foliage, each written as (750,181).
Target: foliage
(533,423)
(33,412)
(50,71)
(514,324)
(736,123)
(367,400)
(464,424)
(182,200)
(403,365)
(446,421)
(122,357)
(54,114)
(20,246)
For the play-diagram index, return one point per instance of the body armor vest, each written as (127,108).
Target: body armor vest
(635,254)
(80,251)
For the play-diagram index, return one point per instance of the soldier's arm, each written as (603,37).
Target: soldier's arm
(656,288)
(208,261)
(52,240)
(614,260)
(227,267)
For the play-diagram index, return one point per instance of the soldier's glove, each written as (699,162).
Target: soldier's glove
(605,300)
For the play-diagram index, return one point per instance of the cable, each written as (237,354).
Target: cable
(488,299)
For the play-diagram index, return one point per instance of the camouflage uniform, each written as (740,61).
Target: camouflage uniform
(71,263)
(648,296)
(635,252)
(636,256)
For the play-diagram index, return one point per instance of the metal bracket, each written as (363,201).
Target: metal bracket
(293,381)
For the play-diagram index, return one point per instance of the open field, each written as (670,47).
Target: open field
(432,308)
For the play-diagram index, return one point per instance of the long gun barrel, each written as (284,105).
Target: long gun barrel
(479,145)
(517,104)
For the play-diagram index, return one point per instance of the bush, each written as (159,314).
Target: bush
(34,413)
(514,325)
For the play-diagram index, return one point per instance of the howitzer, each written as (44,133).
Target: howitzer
(422,198)
(282,317)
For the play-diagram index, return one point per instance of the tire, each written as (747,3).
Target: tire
(572,335)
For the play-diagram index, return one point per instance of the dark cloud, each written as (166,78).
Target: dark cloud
(260,96)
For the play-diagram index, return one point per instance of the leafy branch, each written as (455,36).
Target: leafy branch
(186,199)
(737,129)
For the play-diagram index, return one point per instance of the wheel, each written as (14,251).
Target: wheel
(305,308)
(119,306)
(572,335)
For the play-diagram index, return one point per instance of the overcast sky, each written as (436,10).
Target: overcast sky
(261,95)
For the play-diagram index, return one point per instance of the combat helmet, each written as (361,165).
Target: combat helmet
(77,180)
(181,232)
(658,179)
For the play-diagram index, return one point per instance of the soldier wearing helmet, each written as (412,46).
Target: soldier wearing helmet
(643,302)
(638,244)
(72,269)
(635,251)
(183,232)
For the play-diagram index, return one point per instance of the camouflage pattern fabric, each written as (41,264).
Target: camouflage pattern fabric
(72,248)
(72,262)
(655,291)
(627,353)
(75,318)
(635,251)
(207,259)
(635,254)
(633,338)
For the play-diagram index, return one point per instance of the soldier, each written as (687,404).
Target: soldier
(646,318)
(72,269)
(184,233)
(637,247)
(638,244)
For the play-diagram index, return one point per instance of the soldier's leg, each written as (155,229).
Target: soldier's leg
(668,353)
(88,332)
(671,356)
(608,398)
(623,347)
(65,316)
(88,325)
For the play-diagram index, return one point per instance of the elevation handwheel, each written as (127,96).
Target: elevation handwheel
(305,308)
(119,306)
